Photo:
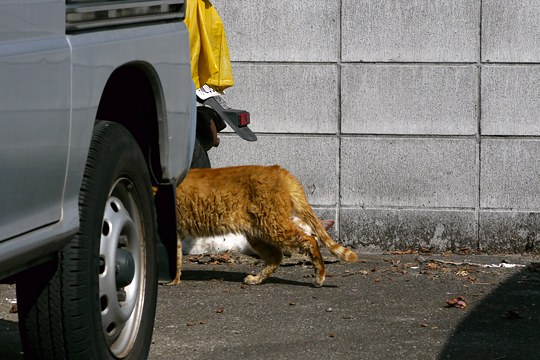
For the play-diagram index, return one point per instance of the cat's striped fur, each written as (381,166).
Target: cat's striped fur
(266,204)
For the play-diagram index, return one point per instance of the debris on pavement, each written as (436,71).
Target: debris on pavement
(14,309)
(193,323)
(502,264)
(405,252)
(13,305)
(457,302)
(462,273)
(351,273)
(212,259)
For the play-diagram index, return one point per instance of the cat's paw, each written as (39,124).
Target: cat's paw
(319,281)
(252,280)
(174,282)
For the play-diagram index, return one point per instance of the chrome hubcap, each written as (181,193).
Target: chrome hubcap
(121,269)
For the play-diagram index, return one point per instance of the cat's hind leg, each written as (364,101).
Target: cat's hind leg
(292,236)
(272,257)
(310,246)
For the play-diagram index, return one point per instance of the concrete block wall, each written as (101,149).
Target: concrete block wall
(413,123)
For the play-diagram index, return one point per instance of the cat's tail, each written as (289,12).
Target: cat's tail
(338,250)
(303,211)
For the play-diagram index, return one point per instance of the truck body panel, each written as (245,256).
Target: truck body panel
(52,86)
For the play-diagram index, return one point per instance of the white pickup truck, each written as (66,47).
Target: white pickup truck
(97,106)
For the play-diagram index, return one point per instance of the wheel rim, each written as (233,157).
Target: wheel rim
(122,267)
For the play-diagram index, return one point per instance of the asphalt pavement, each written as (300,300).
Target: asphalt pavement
(386,306)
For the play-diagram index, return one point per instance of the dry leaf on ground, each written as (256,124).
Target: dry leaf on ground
(457,302)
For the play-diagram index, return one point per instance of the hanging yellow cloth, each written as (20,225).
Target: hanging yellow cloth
(210,60)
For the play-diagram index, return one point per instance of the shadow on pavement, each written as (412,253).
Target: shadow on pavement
(231,276)
(10,344)
(505,325)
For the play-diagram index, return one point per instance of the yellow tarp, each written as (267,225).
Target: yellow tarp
(210,60)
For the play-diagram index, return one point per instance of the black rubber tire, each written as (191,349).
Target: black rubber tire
(200,158)
(61,302)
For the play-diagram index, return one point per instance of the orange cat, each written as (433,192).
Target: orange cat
(266,204)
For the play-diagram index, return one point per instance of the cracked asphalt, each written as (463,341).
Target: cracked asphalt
(386,306)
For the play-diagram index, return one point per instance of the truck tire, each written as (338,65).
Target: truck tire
(98,299)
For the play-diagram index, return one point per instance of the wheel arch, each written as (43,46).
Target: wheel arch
(133,96)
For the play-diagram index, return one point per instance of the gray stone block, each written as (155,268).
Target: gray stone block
(510,174)
(510,100)
(410,30)
(279,30)
(376,230)
(291,98)
(510,232)
(389,99)
(511,31)
(312,159)
(417,172)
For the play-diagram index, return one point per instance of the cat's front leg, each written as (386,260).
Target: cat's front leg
(252,280)
(177,280)
(261,276)
(272,256)
(319,279)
